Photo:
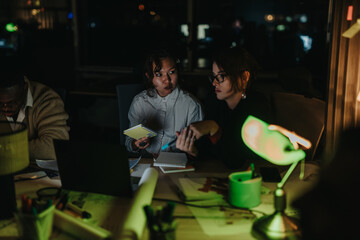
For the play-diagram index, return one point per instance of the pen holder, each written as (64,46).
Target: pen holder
(244,191)
(36,226)
(167,233)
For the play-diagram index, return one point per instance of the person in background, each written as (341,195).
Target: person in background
(233,72)
(163,107)
(37,106)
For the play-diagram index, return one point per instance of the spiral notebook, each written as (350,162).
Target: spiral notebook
(171,159)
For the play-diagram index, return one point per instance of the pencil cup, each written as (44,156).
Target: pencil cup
(36,226)
(244,191)
(164,234)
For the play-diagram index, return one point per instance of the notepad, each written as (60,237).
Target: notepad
(139,131)
(171,159)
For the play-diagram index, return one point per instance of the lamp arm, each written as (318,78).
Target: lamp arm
(287,175)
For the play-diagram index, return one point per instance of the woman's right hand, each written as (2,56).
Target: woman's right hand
(206,127)
(141,143)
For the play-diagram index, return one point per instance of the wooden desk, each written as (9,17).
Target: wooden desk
(188,227)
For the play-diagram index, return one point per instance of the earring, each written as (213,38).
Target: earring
(243,95)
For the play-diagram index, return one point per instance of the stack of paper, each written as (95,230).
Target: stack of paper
(171,159)
(188,168)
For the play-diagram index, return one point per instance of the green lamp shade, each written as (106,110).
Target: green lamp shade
(14,149)
(269,144)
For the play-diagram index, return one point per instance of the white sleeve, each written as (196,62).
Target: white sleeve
(134,116)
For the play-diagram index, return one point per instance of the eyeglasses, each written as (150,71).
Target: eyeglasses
(219,78)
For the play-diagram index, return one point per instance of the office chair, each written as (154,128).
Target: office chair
(125,94)
(303,115)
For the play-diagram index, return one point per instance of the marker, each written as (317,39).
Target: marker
(28,205)
(149,212)
(63,201)
(167,213)
(77,210)
(252,170)
(34,211)
(168,144)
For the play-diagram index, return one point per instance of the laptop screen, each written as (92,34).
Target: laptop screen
(94,167)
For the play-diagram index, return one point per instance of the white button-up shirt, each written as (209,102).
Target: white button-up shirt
(164,115)
(22,111)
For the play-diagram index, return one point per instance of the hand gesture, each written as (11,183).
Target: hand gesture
(185,141)
(141,143)
(207,127)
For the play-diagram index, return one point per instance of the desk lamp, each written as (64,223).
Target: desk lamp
(281,147)
(14,156)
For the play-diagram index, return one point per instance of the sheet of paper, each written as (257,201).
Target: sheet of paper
(217,221)
(47,164)
(133,162)
(139,169)
(197,189)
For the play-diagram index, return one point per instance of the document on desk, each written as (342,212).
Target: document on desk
(198,189)
(215,220)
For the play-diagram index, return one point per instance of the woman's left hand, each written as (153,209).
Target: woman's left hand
(185,141)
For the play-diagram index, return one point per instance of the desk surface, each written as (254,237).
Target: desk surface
(188,227)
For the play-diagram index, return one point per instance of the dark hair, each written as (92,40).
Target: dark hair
(155,57)
(11,73)
(11,79)
(234,61)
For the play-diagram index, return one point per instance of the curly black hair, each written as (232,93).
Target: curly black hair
(155,57)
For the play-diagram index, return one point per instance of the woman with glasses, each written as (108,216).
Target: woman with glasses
(233,72)
(163,107)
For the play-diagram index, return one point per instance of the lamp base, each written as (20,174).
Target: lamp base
(276,226)
(7,199)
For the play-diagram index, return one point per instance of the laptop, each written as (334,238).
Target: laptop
(94,167)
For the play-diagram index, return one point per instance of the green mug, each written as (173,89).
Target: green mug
(244,191)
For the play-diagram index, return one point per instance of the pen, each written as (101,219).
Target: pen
(168,144)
